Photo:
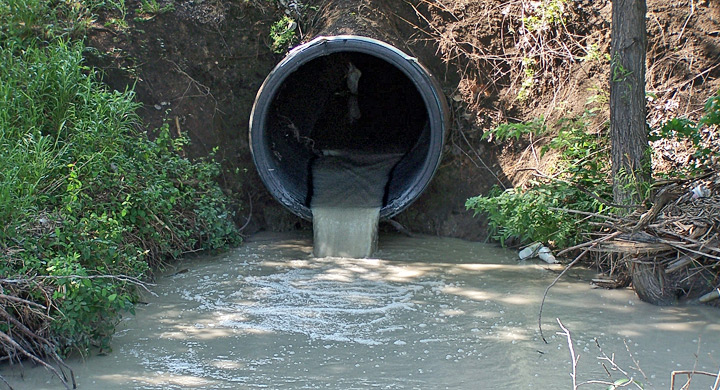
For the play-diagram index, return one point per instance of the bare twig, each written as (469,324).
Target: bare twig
(687,248)
(480,158)
(542,303)
(7,339)
(573,358)
(20,300)
(637,365)
(690,373)
(690,376)
(692,10)
(6,383)
(247,222)
(610,359)
(592,243)
(588,247)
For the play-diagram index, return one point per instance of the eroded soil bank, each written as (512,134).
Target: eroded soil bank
(426,313)
(198,66)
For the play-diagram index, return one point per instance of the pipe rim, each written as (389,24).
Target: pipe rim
(428,87)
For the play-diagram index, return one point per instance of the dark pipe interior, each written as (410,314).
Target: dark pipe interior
(310,114)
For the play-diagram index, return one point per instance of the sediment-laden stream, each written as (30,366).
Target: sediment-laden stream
(425,313)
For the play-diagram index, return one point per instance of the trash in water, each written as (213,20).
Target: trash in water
(712,295)
(537,249)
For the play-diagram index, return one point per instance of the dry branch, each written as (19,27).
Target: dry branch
(573,357)
(7,340)
(679,235)
(689,374)
(27,335)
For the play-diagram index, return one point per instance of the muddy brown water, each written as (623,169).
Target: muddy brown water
(425,313)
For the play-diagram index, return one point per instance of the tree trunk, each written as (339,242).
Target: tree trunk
(628,129)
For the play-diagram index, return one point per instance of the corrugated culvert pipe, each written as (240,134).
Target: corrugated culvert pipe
(355,97)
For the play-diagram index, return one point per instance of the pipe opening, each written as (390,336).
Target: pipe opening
(352,97)
(316,109)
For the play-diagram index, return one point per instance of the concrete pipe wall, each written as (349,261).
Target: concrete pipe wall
(347,94)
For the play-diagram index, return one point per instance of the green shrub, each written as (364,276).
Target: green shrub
(527,215)
(85,196)
(505,131)
(282,34)
(581,183)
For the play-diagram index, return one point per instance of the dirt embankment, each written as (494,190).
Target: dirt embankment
(198,66)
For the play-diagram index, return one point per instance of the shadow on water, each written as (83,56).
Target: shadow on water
(425,313)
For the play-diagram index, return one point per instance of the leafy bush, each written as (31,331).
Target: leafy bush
(527,215)
(86,197)
(505,131)
(581,183)
(282,34)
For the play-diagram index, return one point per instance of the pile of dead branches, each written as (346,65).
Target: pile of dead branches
(672,251)
(25,327)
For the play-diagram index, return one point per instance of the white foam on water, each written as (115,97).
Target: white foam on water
(302,301)
(298,301)
(311,323)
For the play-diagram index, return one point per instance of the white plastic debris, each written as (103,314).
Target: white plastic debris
(700,191)
(530,251)
(537,249)
(545,254)
(712,295)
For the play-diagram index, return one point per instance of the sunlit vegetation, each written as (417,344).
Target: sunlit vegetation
(579,182)
(89,204)
(546,209)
